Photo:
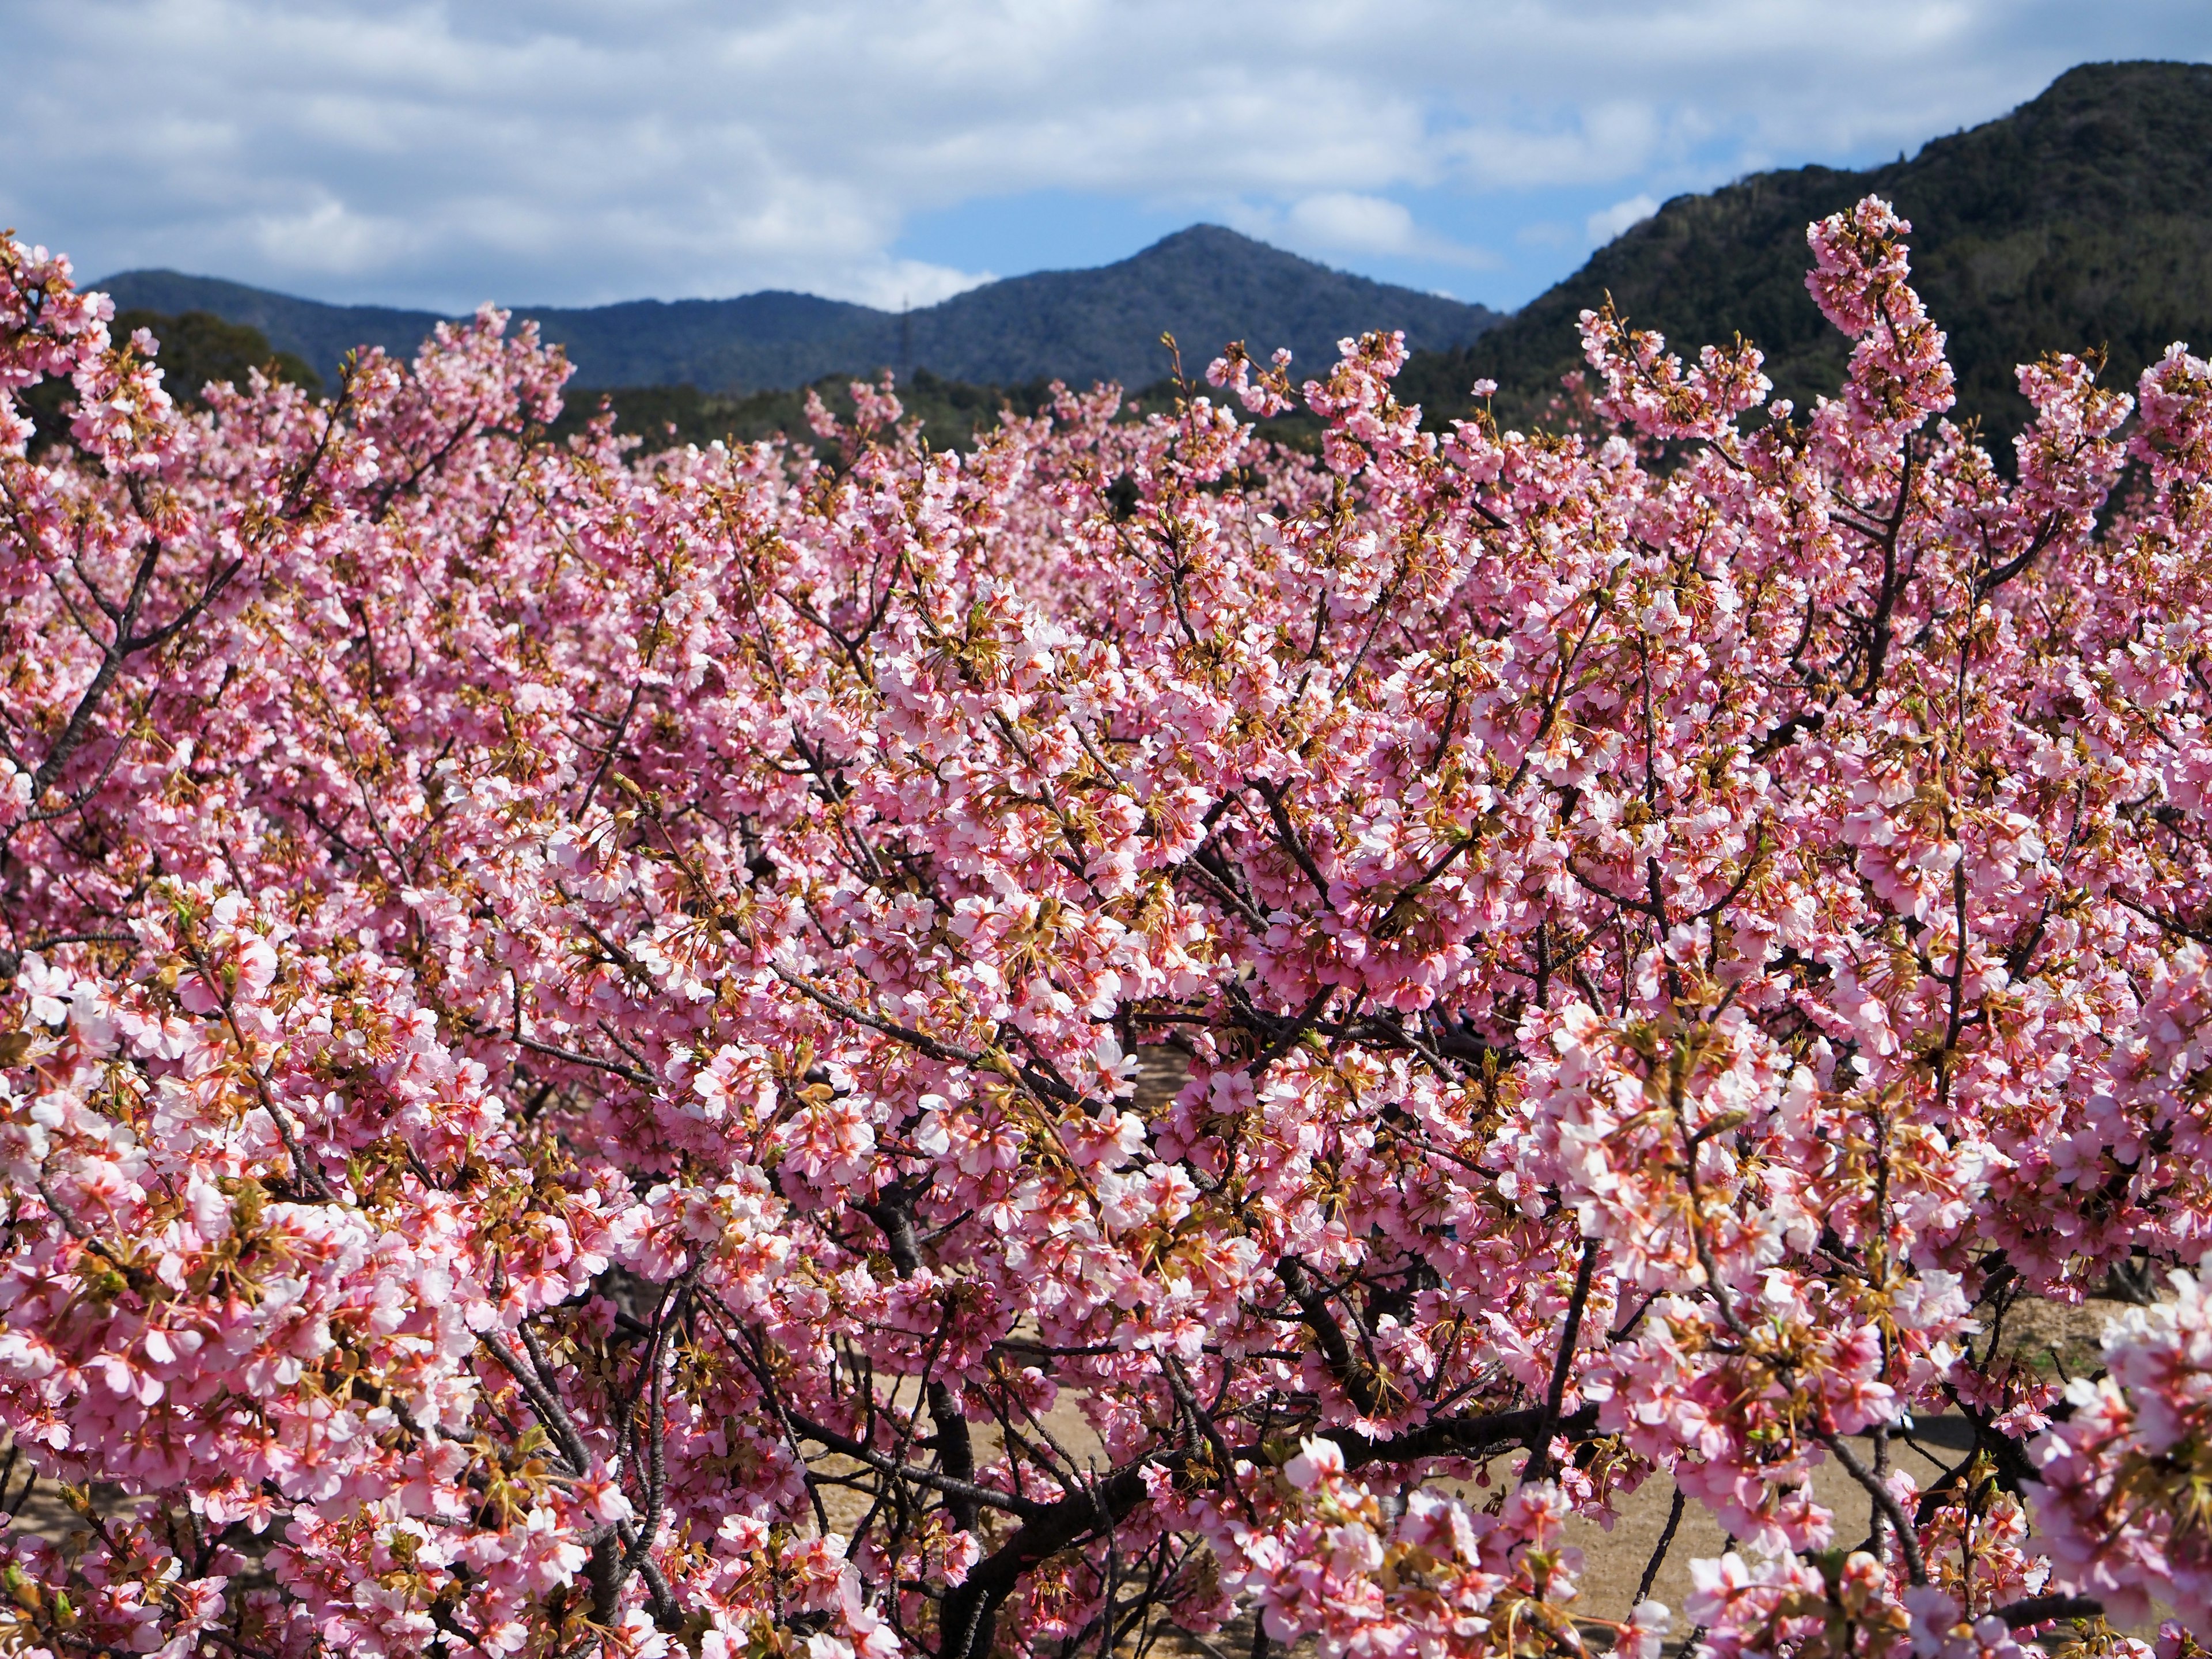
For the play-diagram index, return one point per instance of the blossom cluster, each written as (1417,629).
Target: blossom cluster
(841,1048)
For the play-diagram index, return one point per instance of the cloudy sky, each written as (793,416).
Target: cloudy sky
(568,151)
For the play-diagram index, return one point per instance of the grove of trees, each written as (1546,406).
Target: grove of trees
(570,1022)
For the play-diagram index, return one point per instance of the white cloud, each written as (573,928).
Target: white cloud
(328,238)
(1368,224)
(1348,225)
(436,151)
(899,284)
(1608,222)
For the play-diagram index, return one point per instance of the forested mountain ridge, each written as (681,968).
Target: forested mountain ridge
(1204,285)
(2082,219)
(318,335)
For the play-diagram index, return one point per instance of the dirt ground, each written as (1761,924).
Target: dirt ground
(2060,1339)
(1614,1560)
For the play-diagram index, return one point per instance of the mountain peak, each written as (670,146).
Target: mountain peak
(1204,238)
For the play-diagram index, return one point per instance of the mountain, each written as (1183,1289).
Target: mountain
(319,335)
(2082,219)
(1206,286)
(199,346)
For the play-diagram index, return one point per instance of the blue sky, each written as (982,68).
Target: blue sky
(568,151)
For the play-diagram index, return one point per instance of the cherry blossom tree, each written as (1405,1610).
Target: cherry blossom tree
(573,1022)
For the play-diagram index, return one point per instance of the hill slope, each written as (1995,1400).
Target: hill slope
(2083,218)
(319,334)
(1205,285)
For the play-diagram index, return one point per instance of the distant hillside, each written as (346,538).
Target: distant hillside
(318,334)
(2082,219)
(199,348)
(1206,286)
(196,348)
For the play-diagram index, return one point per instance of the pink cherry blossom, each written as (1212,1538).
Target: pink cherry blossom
(852,1048)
